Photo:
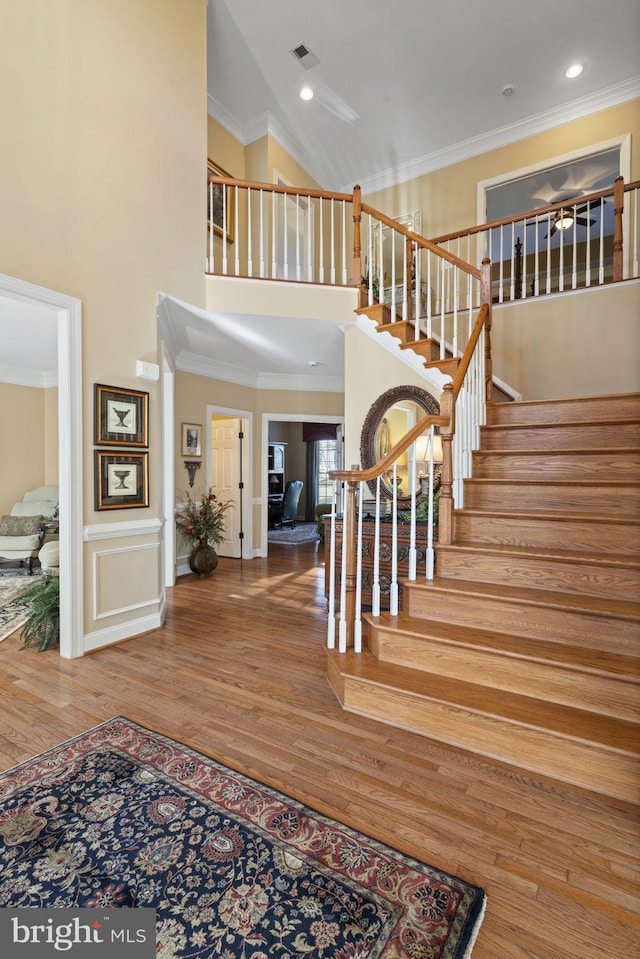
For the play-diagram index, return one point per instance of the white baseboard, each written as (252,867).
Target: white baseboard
(115,634)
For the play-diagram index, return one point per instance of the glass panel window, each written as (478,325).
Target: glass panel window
(327,460)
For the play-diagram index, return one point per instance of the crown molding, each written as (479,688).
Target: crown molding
(17,376)
(214,369)
(266,124)
(502,136)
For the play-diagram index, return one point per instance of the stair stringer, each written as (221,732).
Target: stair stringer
(391,344)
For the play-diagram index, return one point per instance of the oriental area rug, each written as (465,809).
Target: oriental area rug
(121,816)
(292,535)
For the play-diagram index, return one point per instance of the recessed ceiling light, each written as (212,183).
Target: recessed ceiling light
(306,93)
(573,71)
(508,89)
(312,363)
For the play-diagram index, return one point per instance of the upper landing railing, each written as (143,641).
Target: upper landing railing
(269,231)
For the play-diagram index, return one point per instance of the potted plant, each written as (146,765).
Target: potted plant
(43,619)
(203,524)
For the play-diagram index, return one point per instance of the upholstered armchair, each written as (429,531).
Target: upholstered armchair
(22,533)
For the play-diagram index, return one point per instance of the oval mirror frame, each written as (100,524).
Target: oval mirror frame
(370,440)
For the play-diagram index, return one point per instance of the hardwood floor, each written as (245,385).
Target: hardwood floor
(239,672)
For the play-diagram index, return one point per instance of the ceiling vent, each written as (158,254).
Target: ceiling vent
(304,56)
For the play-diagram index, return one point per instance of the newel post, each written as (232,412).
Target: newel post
(349,542)
(445,515)
(357,245)
(485,296)
(618,209)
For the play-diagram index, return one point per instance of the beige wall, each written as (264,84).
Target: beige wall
(51,459)
(23,432)
(448,197)
(104,154)
(194,393)
(572,344)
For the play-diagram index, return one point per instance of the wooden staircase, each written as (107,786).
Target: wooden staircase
(525,646)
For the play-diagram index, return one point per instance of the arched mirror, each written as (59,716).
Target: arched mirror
(389,419)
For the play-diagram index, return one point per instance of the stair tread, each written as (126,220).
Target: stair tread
(536,514)
(567,721)
(624,609)
(561,483)
(607,451)
(552,555)
(626,666)
(564,424)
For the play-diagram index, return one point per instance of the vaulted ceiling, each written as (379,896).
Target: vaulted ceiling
(408,86)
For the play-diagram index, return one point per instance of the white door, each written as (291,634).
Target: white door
(226,478)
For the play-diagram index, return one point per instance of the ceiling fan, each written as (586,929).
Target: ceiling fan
(565,218)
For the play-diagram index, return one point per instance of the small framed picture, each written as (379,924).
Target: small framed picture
(121,417)
(219,202)
(191,439)
(121,480)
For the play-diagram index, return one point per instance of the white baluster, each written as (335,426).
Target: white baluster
(601,266)
(298,264)
(333,245)
(429,321)
(285,236)
(357,626)
(262,274)
(430,553)
(501,280)
(587,265)
(393,594)
(523,271)
(249,236)
(211,254)
(224,231)
(274,247)
(344,243)
(634,198)
(455,313)
(512,288)
(342,625)
(321,266)
(235,205)
(393,276)
(375,587)
(309,245)
(331,621)
(536,267)
(380,266)
(548,235)
(442,309)
(412,557)
(574,266)
(370,249)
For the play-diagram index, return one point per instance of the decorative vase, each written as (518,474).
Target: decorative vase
(203,559)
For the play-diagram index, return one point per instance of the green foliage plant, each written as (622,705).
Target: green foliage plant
(43,619)
(203,521)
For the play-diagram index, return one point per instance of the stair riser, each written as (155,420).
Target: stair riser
(609,582)
(557,466)
(586,436)
(561,498)
(601,408)
(545,532)
(611,633)
(604,770)
(605,694)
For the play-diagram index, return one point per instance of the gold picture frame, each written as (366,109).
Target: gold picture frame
(121,480)
(220,213)
(192,439)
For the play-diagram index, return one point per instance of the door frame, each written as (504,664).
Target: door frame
(246,421)
(68,310)
(264,500)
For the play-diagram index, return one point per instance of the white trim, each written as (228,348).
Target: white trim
(69,316)
(18,376)
(136,527)
(157,600)
(624,142)
(116,634)
(217,370)
(168,466)
(502,136)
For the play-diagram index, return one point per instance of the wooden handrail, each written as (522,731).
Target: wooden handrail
(530,214)
(276,188)
(465,360)
(355,476)
(421,241)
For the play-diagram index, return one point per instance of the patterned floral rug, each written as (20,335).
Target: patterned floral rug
(121,816)
(12,612)
(291,536)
